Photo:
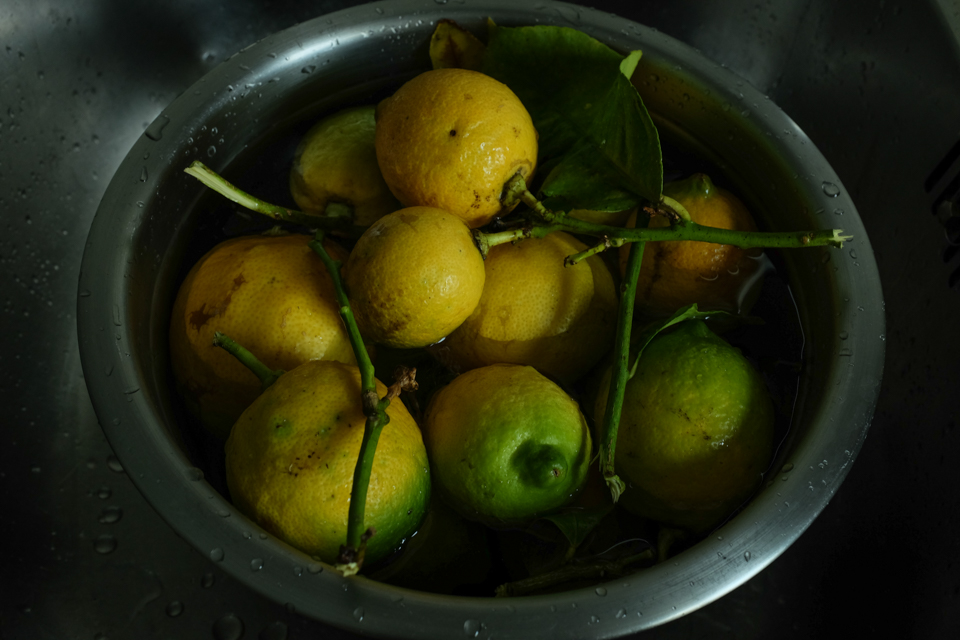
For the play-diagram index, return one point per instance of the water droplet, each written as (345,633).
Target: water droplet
(358,614)
(143,174)
(600,591)
(440,1)
(471,628)
(830,189)
(207,580)
(787,467)
(845,352)
(211,151)
(155,130)
(108,370)
(105,543)
(175,608)
(844,335)
(111,515)
(276,630)
(310,68)
(298,571)
(256,564)
(746,556)
(223,513)
(314,567)
(35,468)
(594,619)
(104,492)
(195,474)
(85,293)
(114,464)
(229,627)
(838,212)
(216,554)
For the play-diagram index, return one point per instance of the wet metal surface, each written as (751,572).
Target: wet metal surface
(876,85)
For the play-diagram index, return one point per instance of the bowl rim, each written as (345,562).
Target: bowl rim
(169,481)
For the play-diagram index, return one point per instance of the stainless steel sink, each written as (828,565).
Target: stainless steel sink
(876,85)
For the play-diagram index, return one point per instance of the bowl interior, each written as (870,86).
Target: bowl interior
(245,118)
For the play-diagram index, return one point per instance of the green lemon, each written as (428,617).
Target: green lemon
(696,431)
(506,444)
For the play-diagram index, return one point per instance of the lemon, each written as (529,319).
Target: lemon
(451,138)
(506,444)
(272,295)
(413,277)
(714,276)
(291,456)
(536,311)
(336,162)
(696,431)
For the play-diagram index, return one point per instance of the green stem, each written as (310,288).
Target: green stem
(680,230)
(486,241)
(265,374)
(374,408)
(618,375)
(606,243)
(339,223)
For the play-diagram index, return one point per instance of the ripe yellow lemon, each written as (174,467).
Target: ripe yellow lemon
(696,431)
(291,456)
(413,277)
(536,311)
(506,444)
(451,138)
(336,162)
(676,274)
(272,295)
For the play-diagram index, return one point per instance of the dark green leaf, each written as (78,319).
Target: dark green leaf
(587,113)
(576,524)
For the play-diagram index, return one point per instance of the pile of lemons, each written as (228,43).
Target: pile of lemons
(505,441)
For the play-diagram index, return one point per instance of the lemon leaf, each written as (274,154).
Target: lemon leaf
(590,118)
(576,524)
(680,315)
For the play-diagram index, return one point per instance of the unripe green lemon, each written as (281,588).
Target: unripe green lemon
(696,431)
(506,444)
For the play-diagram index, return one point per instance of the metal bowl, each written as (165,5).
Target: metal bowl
(148,223)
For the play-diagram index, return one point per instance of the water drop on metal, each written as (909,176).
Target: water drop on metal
(143,174)
(105,543)
(175,608)
(310,68)
(256,564)
(229,627)
(746,556)
(298,571)
(621,614)
(211,151)
(207,580)
(113,463)
(104,493)
(844,335)
(830,189)
(111,515)
(216,554)
(471,628)
(314,567)
(155,130)
(600,591)
(358,614)
(195,474)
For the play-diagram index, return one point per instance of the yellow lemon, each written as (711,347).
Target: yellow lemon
(413,277)
(506,444)
(336,162)
(451,138)
(273,296)
(715,276)
(696,430)
(536,311)
(291,456)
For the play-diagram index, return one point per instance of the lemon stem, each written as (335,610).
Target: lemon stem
(265,374)
(619,373)
(350,560)
(604,244)
(681,227)
(335,222)
(486,241)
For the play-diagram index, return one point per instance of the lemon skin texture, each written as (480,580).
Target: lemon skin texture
(291,456)
(413,277)
(675,274)
(506,445)
(536,311)
(273,296)
(450,138)
(696,430)
(336,162)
